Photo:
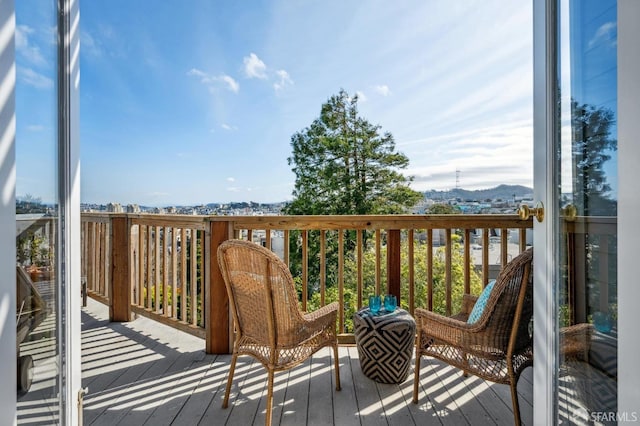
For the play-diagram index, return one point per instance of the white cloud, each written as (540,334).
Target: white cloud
(254,67)
(382,89)
(231,179)
(89,45)
(606,33)
(35,127)
(228,127)
(31,53)
(33,78)
(22,32)
(361,96)
(212,82)
(233,189)
(284,80)
(231,83)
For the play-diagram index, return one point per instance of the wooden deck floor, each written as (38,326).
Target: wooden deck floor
(145,373)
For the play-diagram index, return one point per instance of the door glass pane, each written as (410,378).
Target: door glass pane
(587,161)
(37,213)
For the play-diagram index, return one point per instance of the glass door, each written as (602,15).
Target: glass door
(576,177)
(37,212)
(47,264)
(586,198)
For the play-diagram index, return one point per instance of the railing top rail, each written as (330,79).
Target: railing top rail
(374,222)
(593,224)
(325,222)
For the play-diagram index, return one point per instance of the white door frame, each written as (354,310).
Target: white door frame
(7,214)
(69,205)
(544,184)
(628,207)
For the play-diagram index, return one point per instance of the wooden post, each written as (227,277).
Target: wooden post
(393,263)
(216,299)
(120,286)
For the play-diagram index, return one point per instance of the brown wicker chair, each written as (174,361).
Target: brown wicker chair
(499,346)
(268,322)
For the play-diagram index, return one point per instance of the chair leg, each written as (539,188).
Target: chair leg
(267,420)
(337,366)
(234,358)
(465,372)
(416,378)
(516,406)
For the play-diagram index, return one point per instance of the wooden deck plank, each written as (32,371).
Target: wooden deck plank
(460,399)
(321,390)
(246,392)
(214,413)
(151,374)
(208,390)
(345,400)
(293,410)
(441,401)
(370,408)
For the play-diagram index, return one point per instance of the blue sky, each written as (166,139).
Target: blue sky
(187,102)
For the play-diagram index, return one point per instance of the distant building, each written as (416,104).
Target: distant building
(115,208)
(133,208)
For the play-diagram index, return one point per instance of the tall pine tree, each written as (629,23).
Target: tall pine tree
(345,165)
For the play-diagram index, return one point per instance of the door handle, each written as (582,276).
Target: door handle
(525,212)
(570,212)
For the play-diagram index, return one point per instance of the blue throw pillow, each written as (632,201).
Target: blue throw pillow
(478,308)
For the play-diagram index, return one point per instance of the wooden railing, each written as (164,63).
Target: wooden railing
(165,266)
(591,258)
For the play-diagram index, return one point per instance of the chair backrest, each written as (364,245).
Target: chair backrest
(503,308)
(261,291)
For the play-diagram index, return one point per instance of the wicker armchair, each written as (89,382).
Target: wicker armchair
(497,347)
(268,322)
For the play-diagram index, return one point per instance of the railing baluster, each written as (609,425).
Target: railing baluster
(305,268)
(165,270)
(485,257)
(447,270)
(156,254)
(603,275)
(194,277)
(378,260)
(467,261)
(141,269)
(149,266)
(183,275)
(360,243)
(174,273)
(429,269)
(504,248)
(286,247)
(323,265)
(412,278)
(341,280)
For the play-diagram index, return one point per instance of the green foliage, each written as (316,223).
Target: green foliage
(344,165)
(591,146)
(443,209)
(420,280)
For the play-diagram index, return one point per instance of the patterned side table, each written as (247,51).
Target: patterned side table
(385,344)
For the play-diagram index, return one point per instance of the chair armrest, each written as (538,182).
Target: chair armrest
(319,320)
(322,312)
(435,326)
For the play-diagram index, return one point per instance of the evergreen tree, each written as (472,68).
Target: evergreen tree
(345,165)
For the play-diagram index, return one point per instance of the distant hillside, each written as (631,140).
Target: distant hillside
(503,192)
